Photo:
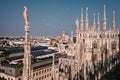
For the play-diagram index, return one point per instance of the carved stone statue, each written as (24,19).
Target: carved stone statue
(25,14)
(77,23)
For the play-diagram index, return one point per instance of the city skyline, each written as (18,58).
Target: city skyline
(51,17)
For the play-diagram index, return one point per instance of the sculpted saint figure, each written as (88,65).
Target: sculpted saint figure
(77,23)
(25,14)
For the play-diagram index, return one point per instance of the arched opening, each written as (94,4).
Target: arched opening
(19,78)
(113,47)
(94,50)
(104,52)
(94,45)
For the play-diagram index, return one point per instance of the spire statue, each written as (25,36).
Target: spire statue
(104,19)
(113,21)
(77,24)
(25,14)
(81,21)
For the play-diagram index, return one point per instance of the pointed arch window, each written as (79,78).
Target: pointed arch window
(94,45)
(113,45)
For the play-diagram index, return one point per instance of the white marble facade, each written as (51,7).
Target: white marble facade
(96,39)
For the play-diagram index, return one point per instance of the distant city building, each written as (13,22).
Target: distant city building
(11,68)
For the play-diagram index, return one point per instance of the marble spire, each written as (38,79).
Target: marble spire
(27,68)
(98,23)
(77,29)
(104,19)
(113,21)
(94,23)
(81,21)
(77,25)
(86,24)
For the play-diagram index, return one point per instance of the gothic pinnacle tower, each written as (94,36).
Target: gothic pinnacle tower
(81,21)
(104,19)
(27,54)
(86,24)
(94,23)
(113,21)
(98,23)
(77,28)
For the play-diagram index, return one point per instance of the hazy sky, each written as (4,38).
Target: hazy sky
(51,17)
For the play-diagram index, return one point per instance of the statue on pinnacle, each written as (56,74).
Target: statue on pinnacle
(77,23)
(25,14)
